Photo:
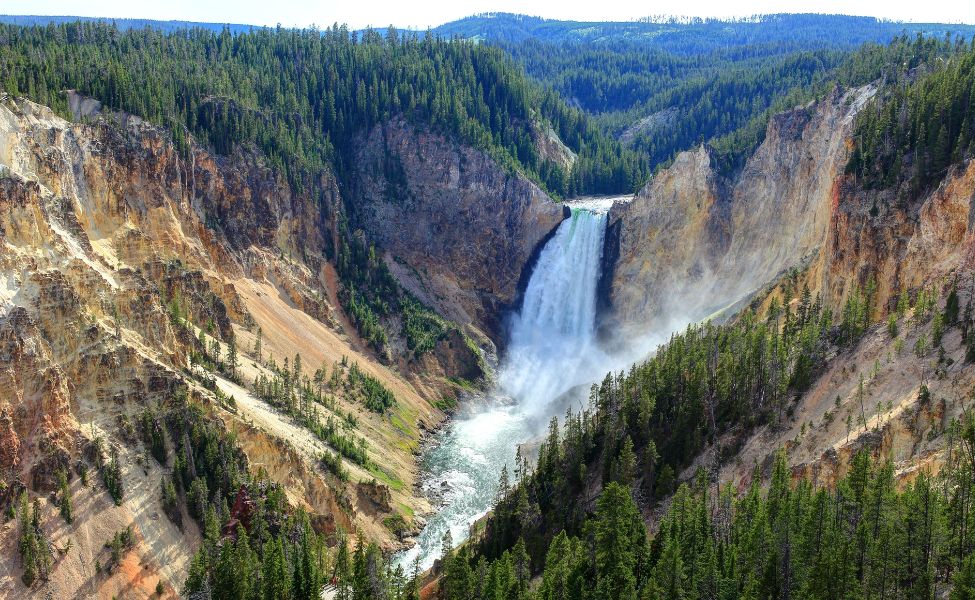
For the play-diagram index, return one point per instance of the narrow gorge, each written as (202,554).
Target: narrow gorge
(551,349)
(518,308)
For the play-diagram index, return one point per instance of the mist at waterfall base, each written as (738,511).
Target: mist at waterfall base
(551,359)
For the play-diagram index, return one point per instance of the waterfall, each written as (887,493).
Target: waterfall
(552,346)
(551,349)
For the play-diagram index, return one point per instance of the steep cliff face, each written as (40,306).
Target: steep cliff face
(691,243)
(107,232)
(458,230)
(671,237)
(900,245)
(907,391)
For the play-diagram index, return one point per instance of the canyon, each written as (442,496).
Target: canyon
(108,230)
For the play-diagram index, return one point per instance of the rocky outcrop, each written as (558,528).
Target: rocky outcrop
(552,148)
(900,245)
(111,241)
(458,230)
(692,243)
(657,123)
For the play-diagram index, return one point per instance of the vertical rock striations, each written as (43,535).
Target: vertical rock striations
(458,229)
(692,243)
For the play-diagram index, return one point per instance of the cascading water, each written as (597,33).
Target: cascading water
(552,346)
(551,350)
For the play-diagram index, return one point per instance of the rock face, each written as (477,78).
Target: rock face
(901,246)
(458,230)
(658,242)
(691,243)
(102,227)
(112,240)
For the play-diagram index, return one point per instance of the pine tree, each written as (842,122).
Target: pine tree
(559,578)
(112,477)
(617,524)
(343,572)
(28,544)
(521,563)
(670,578)
(624,465)
(457,581)
(964,580)
(951,306)
(232,363)
(64,496)
(275,579)
(259,345)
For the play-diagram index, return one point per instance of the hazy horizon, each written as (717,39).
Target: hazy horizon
(289,13)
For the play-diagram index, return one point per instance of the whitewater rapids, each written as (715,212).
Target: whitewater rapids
(552,349)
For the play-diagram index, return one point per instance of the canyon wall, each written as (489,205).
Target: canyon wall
(457,229)
(692,243)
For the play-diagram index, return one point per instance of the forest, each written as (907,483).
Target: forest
(924,124)
(661,102)
(700,36)
(303,96)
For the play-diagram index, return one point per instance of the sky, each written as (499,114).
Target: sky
(420,15)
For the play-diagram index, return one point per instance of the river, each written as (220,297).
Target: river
(551,350)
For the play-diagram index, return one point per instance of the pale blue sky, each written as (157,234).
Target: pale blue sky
(419,14)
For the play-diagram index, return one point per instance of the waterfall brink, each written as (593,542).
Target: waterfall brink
(552,345)
(552,349)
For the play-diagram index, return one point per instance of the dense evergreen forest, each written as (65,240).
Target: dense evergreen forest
(924,123)
(688,36)
(661,86)
(123,24)
(660,103)
(303,96)
(863,539)
(665,87)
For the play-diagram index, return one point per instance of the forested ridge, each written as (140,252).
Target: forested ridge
(923,123)
(694,35)
(303,96)
(661,103)
(679,88)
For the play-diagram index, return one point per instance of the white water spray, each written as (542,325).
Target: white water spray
(552,349)
(552,346)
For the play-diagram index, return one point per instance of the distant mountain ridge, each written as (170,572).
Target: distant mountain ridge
(123,24)
(807,30)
